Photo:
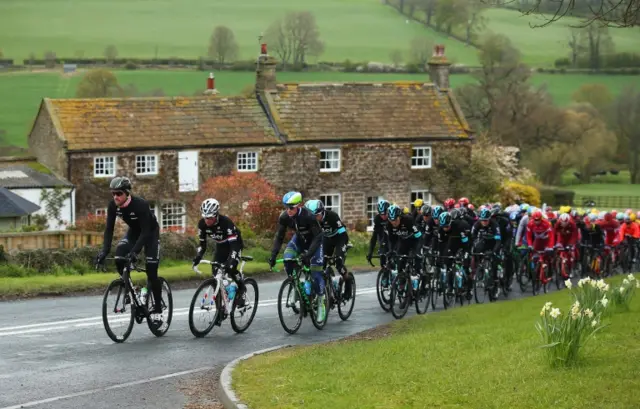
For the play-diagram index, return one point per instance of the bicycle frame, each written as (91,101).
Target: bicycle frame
(296,277)
(220,276)
(129,286)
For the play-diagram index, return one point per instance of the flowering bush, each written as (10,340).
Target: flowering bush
(621,296)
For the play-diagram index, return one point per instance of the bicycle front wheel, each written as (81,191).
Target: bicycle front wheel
(122,310)
(424,293)
(290,306)
(382,289)
(245,306)
(347,297)
(203,310)
(400,296)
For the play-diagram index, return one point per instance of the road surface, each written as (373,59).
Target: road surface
(54,353)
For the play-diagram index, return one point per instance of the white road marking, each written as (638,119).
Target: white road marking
(97,321)
(122,385)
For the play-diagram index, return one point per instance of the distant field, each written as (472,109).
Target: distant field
(361,30)
(20,93)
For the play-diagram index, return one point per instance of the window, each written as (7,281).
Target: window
(420,194)
(372,210)
(332,202)
(104,166)
(101,212)
(25,220)
(146,164)
(330,160)
(421,157)
(247,161)
(154,209)
(173,216)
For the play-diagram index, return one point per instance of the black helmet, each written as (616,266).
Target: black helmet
(455,214)
(383,206)
(444,219)
(120,183)
(425,210)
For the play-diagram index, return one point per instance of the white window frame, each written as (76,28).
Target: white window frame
(338,209)
(331,161)
(104,159)
(101,212)
(143,161)
(154,209)
(244,161)
(180,215)
(423,194)
(418,157)
(371,213)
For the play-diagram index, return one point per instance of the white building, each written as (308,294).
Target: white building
(28,183)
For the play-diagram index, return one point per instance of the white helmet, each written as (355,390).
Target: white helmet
(210,208)
(564,218)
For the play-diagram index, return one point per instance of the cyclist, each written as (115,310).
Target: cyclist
(335,238)
(306,242)
(486,238)
(380,222)
(417,207)
(143,231)
(428,225)
(632,231)
(610,227)
(228,240)
(449,203)
(566,236)
(540,235)
(452,237)
(404,237)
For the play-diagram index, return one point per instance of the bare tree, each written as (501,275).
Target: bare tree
(627,117)
(576,45)
(110,53)
(598,43)
(396,57)
(222,45)
(296,37)
(98,83)
(421,49)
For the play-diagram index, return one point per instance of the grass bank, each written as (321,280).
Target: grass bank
(11,287)
(481,356)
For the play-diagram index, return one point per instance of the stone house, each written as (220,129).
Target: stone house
(345,143)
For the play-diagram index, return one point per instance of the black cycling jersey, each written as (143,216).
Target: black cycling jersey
(406,230)
(307,228)
(456,238)
(331,224)
(486,237)
(379,232)
(138,216)
(428,231)
(502,219)
(224,233)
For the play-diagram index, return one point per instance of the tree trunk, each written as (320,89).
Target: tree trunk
(635,165)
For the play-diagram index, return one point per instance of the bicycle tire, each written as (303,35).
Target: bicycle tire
(385,304)
(425,281)
(290,285)
(343,313)
(524,277)
(117,283)
(197,333)
(248,282)
(314,318)
(157,331)
(398,314)
(557,274)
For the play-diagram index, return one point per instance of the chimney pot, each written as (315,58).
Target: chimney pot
(211,85)
(439,67)
(263,49)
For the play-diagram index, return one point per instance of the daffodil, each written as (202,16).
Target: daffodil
(555,312)
(547,305)
(594,323)
(625,282)
(588,313)
(604,301)
(631,277)
(621,290)
(568,284)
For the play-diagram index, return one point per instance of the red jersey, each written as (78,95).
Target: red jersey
(610,230)
(540,235)
(629,228)
(566,235)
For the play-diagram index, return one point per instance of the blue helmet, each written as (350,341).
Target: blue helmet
(383,206)
(394,212)
(316,206)
(292,198)
(485,214)
(444,219)
(514,216)
(436,211)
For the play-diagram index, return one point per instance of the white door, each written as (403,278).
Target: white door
(188,171)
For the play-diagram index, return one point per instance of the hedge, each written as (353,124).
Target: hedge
(556,197)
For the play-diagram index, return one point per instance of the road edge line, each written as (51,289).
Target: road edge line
(226,394)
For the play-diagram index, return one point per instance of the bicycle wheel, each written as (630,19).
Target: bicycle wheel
(159,323)
(400,292)
(292,301)
(246,306)
(383,290)
(121,307)
(557,274)
(425,292)
(524,278)
(206,305)
(345,304)
(314,312)
(479,290)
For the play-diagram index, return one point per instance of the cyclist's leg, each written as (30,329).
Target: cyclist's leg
(290,253)
(328,247)
(152,254)
(316,270)
(123,249)
(341,254)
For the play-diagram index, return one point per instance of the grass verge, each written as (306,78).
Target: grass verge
(482,356)
(65,284)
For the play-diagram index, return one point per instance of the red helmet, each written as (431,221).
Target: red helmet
(449,203)
(608,217)
(463,201)
(537,215)
(551,215)
(614,213)
(457,205)
(471,207)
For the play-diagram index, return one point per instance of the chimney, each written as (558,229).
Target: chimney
(211,85)
(265,71)
(439,67)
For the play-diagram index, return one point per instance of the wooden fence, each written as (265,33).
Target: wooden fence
(66,239)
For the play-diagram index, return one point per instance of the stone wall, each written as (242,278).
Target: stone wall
(45,144)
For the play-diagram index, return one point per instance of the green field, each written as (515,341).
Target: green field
(478,356)
(20,93)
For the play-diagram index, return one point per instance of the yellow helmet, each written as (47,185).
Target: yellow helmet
(418,203)
(632,216)
(594,211)
(405,210)
(581,211)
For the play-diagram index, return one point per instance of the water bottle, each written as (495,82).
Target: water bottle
(443,271)
(307,287)
(458,279)
(336,283)
(499,271)
(394,273)
(414,282)
(143,295)
(231,290)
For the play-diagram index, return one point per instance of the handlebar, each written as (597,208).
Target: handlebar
(213,263)
(129,264)
(298,260)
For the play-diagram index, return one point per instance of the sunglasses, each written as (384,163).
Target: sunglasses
(290,207)
(118,194)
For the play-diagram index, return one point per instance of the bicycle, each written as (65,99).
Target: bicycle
(540,272)
(483,282)
(337,288)
(382,284)
(220,294)
(140,304)
(407,286)
(299,297)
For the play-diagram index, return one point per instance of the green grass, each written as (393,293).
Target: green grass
(481,356)
(21,93)
(62,284)
(361,30)
(605,189)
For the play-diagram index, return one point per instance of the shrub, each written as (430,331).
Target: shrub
(130,65)
(176,246)
(562,62)
(511,192)
(556,197)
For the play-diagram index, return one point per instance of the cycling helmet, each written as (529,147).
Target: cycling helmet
(120,183)
(601,215)
(292,198)
(394,212)
(608,217)
(593,217)
(455,214)
(449,203)
(632,216)
(445,219)
(425,210)
(627,218)
(513,216)
(210,208)
(620,217)
(383,206)
(316,206)
(471,207)
(564,218)
(537,215)
(405,210)
(524,207)
(436,211)
(638,215)
(463,201)
(418,203)
(496,209)
(485,214)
